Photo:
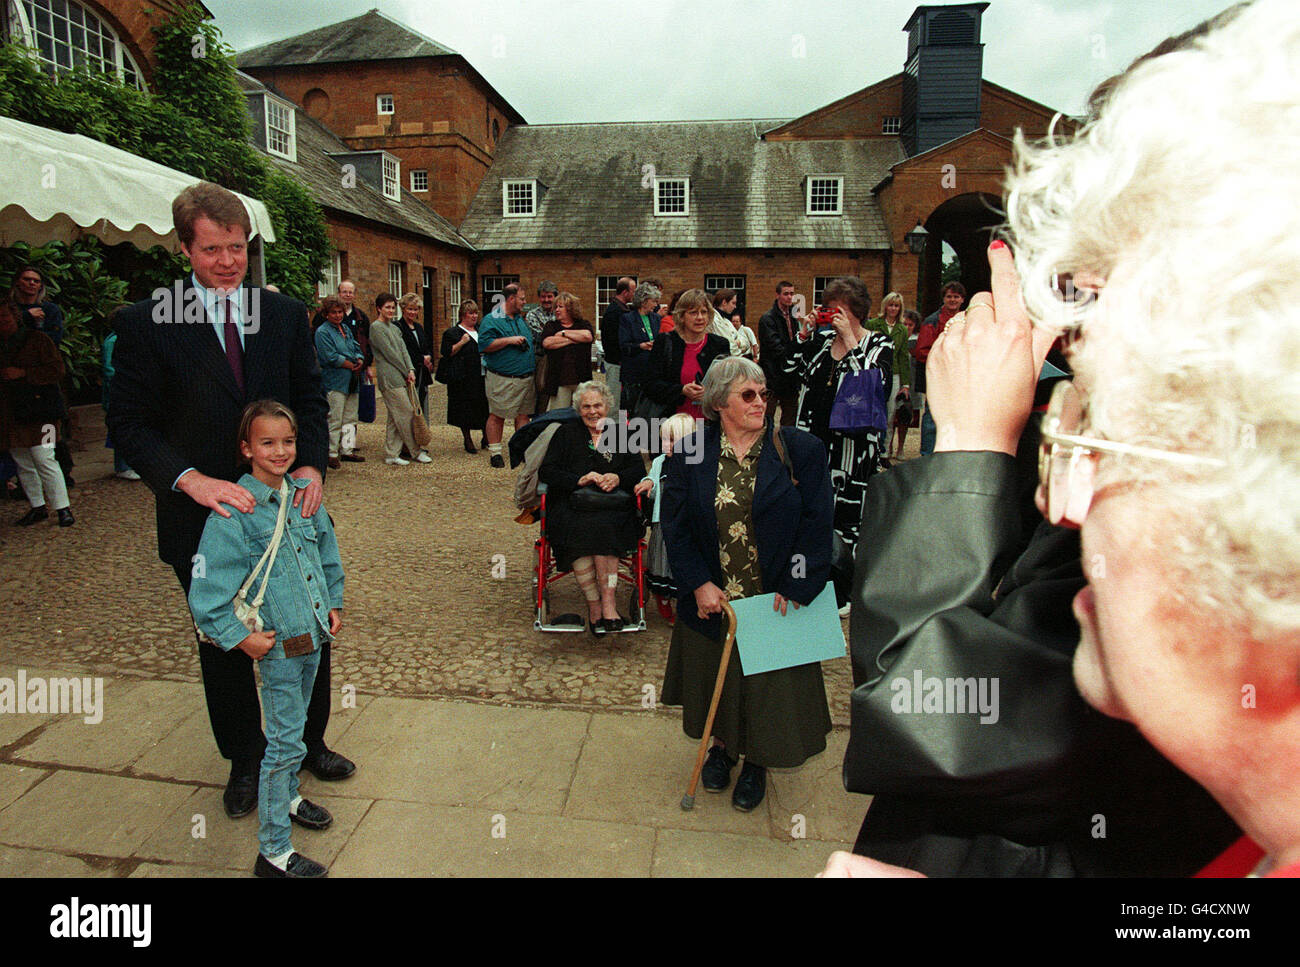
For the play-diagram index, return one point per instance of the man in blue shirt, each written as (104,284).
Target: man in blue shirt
(506,343)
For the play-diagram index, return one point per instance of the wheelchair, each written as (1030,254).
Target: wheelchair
(631,571)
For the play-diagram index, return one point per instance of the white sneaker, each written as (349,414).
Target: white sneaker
(397,461)
(127,475)
(423,457)
(844,611)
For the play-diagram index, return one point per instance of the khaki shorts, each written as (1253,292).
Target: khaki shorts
(511,396)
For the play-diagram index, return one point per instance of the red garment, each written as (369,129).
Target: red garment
(1240,859)
(667,323)
(929,333)
(689,374)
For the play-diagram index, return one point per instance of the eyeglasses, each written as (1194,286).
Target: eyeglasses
(1065,471)
(749,395)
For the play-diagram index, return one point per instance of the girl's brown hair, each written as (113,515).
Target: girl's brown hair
(272,408)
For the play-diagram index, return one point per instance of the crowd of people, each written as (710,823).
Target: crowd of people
(1154,583)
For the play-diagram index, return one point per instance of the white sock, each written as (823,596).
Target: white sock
(280,862)
(494,448)
(293,805)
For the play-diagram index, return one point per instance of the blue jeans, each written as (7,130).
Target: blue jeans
(286,693)
(928,431)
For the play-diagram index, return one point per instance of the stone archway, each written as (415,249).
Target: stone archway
(966,222)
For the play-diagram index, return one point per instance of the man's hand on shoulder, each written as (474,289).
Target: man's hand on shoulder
(212,493)
(311,496)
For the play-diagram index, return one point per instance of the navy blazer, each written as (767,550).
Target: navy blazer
(792,522)
(174,402)
(630,336)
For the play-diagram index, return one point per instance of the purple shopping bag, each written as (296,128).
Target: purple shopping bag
(860,402)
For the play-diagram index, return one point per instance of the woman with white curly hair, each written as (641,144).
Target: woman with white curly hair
(1176,450)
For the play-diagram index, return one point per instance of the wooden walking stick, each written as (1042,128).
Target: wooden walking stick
(688,800)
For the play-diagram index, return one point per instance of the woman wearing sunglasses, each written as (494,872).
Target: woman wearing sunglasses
(1176,452)
(746,513)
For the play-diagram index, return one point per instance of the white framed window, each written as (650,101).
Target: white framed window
(454,289)
(66,35)
(494,287)
(392,178)
(518,199)
(891,125)
(820,282)
(419,179)
(396,278)
(332,276)
(281,135)
(672,196)
(383,104)
(825,194)
(606,286)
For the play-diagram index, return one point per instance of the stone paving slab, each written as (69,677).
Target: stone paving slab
(686,852)
(418,839)
(17,861)
(183,871)
(233,844)
(87,813)
(136,715)
(16,780)
(459,753)
(15,725)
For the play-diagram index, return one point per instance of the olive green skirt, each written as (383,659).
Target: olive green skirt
(777,719)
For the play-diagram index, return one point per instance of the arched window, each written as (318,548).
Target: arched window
(65,35)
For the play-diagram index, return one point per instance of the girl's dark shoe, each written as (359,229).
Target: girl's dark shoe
(65,518)
(716,774)
(33,515)
(750,788)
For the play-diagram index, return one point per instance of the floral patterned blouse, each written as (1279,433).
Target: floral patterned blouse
(734,504)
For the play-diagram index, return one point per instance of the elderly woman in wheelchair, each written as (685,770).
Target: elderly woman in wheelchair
(591,516)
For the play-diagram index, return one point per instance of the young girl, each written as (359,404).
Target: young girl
(302,610)
(659,577)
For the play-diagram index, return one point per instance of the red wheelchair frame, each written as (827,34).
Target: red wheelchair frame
(631,570)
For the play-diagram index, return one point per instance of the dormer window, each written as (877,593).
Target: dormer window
(825,194)
(281,139)
(392,178)
(384,104)
(672,196)
(518,199)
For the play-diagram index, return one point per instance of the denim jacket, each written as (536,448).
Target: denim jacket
(306,580)
(332,350)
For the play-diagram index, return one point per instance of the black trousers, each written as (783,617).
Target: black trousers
(233,706)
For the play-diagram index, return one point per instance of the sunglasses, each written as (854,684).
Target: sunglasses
(749,395)
(1065,456)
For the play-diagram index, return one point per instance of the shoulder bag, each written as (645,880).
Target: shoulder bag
(247,612)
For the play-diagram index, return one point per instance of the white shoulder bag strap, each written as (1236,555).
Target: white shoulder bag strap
(268,559)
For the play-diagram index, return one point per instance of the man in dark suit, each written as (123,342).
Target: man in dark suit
(188,360)
(609,324)
(776,331)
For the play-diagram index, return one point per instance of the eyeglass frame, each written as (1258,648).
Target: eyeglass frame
(1081,446)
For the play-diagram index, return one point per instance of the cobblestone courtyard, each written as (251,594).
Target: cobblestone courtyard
(424,615)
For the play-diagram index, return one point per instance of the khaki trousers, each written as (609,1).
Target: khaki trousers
(398,432)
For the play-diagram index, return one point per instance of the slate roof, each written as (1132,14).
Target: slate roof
(744,192)
(323,177)
(371,36)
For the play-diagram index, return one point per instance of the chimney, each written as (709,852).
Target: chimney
(942,75)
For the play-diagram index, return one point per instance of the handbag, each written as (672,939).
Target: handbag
(36,405)
(419,426)
(592,499)
(859,404)
(247,612)
(366,400)
(648,408)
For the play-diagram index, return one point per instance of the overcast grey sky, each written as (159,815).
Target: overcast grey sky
(640,60)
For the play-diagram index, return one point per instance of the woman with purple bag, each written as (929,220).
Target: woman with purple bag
(844,372)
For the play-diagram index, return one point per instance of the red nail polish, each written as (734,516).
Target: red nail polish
(998,244)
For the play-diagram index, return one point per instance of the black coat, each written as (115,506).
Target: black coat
(663,376)
(1019,795)
(609,323)
(174,403)
(418,345)
(774,344)
(467,405)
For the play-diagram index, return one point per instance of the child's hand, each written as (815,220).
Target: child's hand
(257,644)
(336,620)
(644,487)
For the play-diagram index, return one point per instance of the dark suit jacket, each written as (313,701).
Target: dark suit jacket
(630,336)
(789,519)
(774,345)
(663,376)
(174,403)
(609,323)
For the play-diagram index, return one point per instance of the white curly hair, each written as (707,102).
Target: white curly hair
(1182,193)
